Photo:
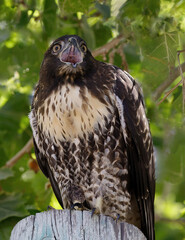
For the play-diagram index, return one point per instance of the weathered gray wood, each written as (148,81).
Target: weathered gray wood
(73,225)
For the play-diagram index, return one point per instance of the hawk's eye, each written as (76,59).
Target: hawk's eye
(56,48)
(84,48)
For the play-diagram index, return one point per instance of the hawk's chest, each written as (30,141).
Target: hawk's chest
(70,112)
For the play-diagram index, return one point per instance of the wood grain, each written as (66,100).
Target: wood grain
(73,225)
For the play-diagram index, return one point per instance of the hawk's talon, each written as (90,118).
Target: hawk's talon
(118,217)
(93,211)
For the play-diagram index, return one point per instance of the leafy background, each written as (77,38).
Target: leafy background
(141,36)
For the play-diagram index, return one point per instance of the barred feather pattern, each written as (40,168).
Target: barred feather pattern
(92,164)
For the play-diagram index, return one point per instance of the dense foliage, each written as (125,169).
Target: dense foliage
(150,33)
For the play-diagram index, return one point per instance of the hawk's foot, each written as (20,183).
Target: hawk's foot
(77,206)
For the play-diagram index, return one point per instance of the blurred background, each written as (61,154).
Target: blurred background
(140,36)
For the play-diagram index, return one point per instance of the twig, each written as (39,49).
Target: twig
(118,50)
(107,47)
(182,81)
(168,93)
(111,56)
(174,73)
(26,149)
(121,53)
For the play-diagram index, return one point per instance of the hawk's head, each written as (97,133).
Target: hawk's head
(67,55)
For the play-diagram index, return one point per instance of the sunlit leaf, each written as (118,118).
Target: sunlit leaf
(74,5)
(54,202)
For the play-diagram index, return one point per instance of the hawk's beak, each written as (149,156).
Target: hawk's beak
(71,54)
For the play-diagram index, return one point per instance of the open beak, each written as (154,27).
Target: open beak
(71,54)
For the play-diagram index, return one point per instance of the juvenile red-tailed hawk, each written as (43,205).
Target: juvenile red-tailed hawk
(92,137)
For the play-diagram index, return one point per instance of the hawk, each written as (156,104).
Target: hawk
(92,137)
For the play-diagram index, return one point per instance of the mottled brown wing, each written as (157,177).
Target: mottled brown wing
(139,147)
(43,164)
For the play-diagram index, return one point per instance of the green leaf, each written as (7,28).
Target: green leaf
(42,195)
(6,227)
(49,16)
(74,5)
(24,18)
(6,173)
(169,230)
(177,93)
(11,115)
(104,9)
(158,55)
(12,205)
(102,34)
(133,8)
(87,33)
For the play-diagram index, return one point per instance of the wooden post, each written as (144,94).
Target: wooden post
(73,225)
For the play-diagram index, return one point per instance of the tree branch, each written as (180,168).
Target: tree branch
(174,73)
(26,149)
(103,50)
